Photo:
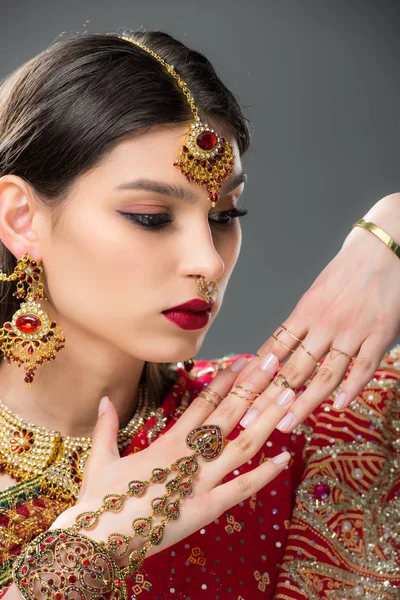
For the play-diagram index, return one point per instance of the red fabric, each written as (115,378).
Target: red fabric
(267,547)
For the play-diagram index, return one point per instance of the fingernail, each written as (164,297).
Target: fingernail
(268,362)
(285,397)
(249,417)
(341,400)
(286,422)
(239,364)
(282,458)
(103,405)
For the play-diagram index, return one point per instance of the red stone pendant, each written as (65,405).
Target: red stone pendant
(205,158)
(23,338)
(207,140)
(28,323)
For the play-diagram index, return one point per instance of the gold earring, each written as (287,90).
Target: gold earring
(31,337)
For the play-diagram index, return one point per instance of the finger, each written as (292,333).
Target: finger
(105,434)
(104,441)
(236,490)
(325,381)
(249,441)
(283,345)
(232,408)
(200,408)
(362,371)
(295,371)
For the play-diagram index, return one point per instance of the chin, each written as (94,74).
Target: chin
(173,350)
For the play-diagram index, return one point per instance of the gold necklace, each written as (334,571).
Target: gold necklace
(28,450)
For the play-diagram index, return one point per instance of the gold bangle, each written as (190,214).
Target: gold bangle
(382,235)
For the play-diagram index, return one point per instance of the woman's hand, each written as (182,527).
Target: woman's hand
(352,306)
(107,473)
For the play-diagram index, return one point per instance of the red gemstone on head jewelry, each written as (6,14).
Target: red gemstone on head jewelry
(204,158)
(207,140)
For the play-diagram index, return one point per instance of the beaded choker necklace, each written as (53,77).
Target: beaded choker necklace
(27,450)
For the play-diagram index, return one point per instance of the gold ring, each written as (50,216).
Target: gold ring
(287,347)
(313,357)
(284,382)
(289,332)
(203,395)
(249,391)
(211,391)
(339,352)
(242,397)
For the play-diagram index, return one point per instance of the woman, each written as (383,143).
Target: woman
(90,131)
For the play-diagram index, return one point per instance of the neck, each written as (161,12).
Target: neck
(66,392)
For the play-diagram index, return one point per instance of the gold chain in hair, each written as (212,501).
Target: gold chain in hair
(205,158)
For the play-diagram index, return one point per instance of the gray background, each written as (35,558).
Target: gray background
(320,81)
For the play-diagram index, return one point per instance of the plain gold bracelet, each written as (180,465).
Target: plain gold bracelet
(382,235)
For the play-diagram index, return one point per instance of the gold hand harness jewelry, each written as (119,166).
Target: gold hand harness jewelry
(63,563)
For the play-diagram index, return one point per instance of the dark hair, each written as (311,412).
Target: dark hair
(64,109)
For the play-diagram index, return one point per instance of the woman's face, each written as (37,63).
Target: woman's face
(111,278)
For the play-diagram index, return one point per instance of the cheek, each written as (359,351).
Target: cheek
(102,268)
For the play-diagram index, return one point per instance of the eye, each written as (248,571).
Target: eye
(225,218)
(148,221)
(155,221)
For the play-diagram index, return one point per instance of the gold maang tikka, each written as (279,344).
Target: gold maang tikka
(31,338)
(205,158)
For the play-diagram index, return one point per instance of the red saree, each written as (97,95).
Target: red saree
(327,527)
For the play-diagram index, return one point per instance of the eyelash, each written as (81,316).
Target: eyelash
(156,223)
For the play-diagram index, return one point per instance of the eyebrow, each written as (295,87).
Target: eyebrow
(173,190)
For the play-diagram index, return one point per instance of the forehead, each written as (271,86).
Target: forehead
(151,155)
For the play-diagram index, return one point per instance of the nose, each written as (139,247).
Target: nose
(199,256)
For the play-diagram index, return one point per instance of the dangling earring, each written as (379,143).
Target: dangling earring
(188,364)
(31,337)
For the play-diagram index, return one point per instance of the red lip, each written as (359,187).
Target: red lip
(194,305)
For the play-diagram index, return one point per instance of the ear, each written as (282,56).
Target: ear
(18,217)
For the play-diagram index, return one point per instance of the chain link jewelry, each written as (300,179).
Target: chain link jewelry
(205,158)
(55,564)
(31,337)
